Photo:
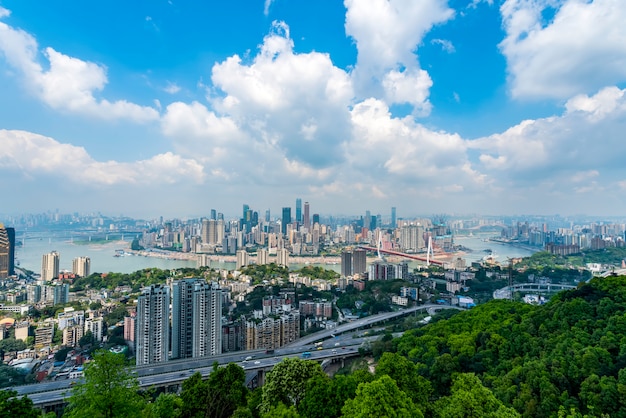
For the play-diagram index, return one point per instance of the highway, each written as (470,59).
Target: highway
(365,322)
(175,371)
(55,392)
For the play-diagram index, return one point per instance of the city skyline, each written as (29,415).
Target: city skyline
(459,106)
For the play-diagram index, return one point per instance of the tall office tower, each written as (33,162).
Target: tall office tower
(212,232)
(359,261)
(367,221)
(213,214)
(316,218)
(346,263)
(306,221)
(285,220)
(282,257)
(61,294)
(262,256)
(242,259)
(152,326)
(196,318)
(50,266)
(267,215)
(81,266)
(220,231)
(204,233)
(393,217)
(298,210)
(7,252)
(246,208)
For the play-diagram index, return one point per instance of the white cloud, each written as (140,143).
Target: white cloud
(387,34)
(70,83)
(580,50)
(279,92)
(266,7)
(171,88)
(4,12)
(446,45)
(409,86)
(37,157)
(584,144)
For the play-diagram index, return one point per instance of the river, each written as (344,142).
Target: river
(103,259)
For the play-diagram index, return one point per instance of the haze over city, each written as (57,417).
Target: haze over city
(167,108)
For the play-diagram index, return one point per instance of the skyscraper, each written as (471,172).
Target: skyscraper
(50,266)
(298,210)
(359,261)
(81,266)
(152,327)
(285,220)
(196,318)
(306,221)
(393,217)
(346,263)
(7,252)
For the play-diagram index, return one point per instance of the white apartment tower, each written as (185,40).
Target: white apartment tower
(50,266)
(152,328)
(81,266)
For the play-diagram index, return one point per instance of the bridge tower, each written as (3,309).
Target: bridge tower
(429,250)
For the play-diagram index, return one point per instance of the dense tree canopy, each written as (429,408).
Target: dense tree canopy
(109,390)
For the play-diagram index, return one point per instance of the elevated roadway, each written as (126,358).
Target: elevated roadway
(505,292)
(174,372)
(405,255)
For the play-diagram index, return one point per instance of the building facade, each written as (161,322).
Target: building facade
(152,327)
(7,252)
(50,266)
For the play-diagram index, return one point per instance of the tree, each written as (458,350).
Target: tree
(11,344)
(226,390)
(469,399)
(193,395)
(12,406)
(404,372)
(325,396)
(166,405)
(109,390)
(287,382)
(380,398)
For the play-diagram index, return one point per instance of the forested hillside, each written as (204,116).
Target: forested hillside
(568,354)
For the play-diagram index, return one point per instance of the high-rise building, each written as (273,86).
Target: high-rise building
(152,327)
(285,220)
(61,294)
(50,266)
(262,256)
(282,257)
(81,266)
(7,252)
(316,218)
(359,261)
(242,259)
(204,233)
(298,210)
(129,328)
(213,214)
(346,263)
(306,221)
(196,318)
(393,217)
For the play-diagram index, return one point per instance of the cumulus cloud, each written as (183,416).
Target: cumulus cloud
(34,156)
(266,7)
(583,145)
(387,34)
(70,83)
(296,102)
(580,50)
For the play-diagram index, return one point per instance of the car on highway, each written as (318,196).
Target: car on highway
(257,362)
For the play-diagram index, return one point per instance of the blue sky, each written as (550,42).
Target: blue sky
(172,108)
